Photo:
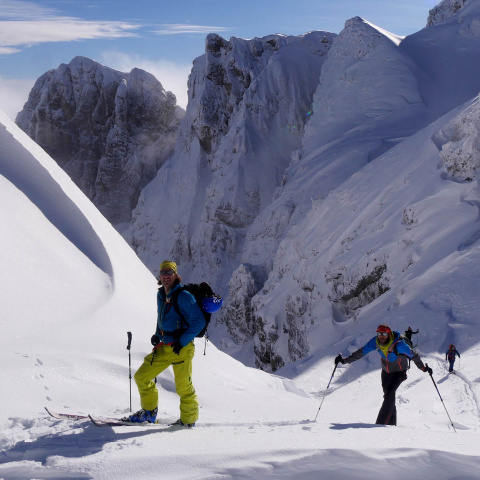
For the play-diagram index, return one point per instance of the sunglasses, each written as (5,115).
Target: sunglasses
(166,272)
(382,334)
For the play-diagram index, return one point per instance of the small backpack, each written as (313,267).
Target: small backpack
(407,340)
(208,301)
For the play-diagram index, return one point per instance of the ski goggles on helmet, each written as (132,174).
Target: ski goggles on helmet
(384,329)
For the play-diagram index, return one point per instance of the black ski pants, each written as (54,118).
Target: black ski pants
(388,411)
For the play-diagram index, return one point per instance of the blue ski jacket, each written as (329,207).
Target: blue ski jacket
(398,355)
(450,355)
(170,325)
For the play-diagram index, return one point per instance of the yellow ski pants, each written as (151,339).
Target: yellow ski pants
(155,363)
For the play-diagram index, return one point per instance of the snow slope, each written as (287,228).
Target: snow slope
(71,289)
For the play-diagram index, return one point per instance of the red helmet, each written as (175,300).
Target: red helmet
(382,328)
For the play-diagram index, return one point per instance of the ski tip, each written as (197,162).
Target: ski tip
(107,422)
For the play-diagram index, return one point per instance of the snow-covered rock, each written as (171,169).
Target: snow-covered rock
(367,82)
(372,95)
(110,131)
(445,10)
(460,145)
(248,104)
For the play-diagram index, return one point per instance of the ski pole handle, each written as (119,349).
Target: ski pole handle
(129,335)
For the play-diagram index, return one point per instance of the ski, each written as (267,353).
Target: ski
(112,422)
(66,416)
(74,416)
(107,421)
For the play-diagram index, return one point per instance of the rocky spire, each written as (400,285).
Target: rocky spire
(110,131)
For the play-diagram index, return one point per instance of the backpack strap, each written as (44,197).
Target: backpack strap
(174,301)
(393,348)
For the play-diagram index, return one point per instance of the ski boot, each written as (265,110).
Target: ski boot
(142,416)
(179,423)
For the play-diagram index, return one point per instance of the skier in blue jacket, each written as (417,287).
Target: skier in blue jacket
(395,355)
(452,352)
(172,346)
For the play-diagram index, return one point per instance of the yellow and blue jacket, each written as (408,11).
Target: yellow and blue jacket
(395,358)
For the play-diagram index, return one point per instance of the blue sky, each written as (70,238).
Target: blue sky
(164,37)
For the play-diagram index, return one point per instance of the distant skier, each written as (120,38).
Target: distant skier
(409,332)
(395,356)
(452,352)
(172,346)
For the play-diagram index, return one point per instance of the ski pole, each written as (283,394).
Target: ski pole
(325,393)
(451,423)
(129,335)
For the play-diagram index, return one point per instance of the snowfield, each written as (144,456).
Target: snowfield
(72,288)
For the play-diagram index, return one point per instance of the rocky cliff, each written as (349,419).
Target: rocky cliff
(445,10)
(110,131)
(249,101)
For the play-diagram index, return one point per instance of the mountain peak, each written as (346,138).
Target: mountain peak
(110,131)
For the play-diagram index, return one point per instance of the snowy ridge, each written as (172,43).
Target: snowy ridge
(460,145)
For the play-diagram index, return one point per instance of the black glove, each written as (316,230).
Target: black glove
(427,369)
(176,347)
(155,340)
(339,359)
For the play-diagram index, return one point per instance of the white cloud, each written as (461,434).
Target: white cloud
(13,95)
(14,9)
(181,28)
(27,24)
(18,33)
(172,76)
(8,50)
